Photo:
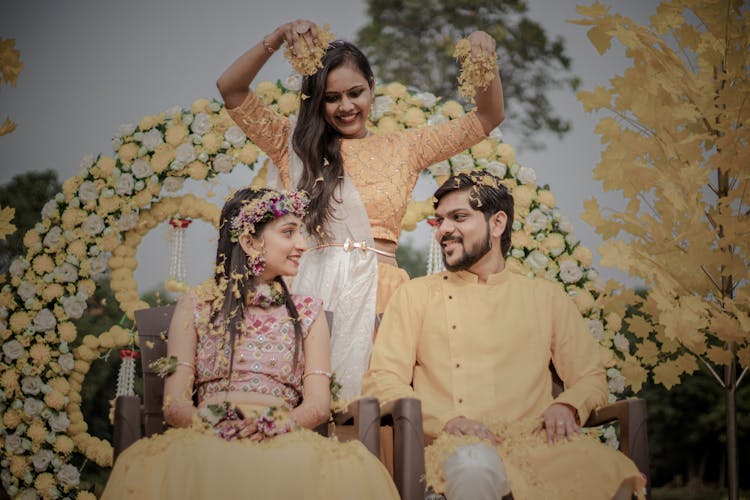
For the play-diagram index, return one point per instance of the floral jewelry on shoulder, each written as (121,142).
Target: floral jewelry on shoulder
(266,295)
(307,62)
(476,72)
(270,206)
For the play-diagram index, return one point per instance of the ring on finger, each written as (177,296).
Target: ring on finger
(302,28)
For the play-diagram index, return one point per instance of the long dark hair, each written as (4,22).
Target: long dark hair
(232,270)
(316,142)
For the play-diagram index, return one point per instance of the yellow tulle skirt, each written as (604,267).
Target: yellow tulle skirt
(581,467)
(194,464)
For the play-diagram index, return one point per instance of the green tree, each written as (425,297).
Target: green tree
(27,193)
(412,41)
(411,259)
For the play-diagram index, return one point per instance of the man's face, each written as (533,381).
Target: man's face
(463,233)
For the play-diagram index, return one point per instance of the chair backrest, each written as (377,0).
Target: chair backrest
(153,327)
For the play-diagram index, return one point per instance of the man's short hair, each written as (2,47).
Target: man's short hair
(486,194)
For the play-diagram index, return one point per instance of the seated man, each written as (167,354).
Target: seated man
(474,344)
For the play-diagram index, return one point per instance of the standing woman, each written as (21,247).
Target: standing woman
(256,359)
(359,183)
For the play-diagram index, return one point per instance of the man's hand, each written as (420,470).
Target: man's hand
(560,421)
(462,426)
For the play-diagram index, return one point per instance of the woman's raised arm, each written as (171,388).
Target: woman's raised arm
(490,106)
(233,84)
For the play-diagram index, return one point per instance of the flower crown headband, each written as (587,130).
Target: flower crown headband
(270,206)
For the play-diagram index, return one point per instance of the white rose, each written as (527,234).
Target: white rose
(201,124)
(427,99)
(125,129)
(187,118)
(172,111)
(68,475)
(564,224)
(49,210)
(441,168)
(517,253)
(621,343)
(437,119)
(93,224)
(66,273)
(18,267)
(31,385)
(33,407)
(13,349)
(98,264)
(536,220)
(87,161)
(537,260)
(59,422)
(496,168)
(124,184)
(127,221)
(45,320)
(222,163)
(173,184)
(152,139)
(596,328)
(185,153)
(141,169)
(592,275)
(26,290)
(616,381)
(14,444)
(570,272)
(526,175)
(52,237)
(293,82)
(88,191)
(571,239)
(41,459)
(610,436)
(74,306)
(66,362)
(234,135)
(496,134)
(462,163)
(381,106)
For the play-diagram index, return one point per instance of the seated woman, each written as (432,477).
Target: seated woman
(257,359)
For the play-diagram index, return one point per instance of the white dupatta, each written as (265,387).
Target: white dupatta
(346,280)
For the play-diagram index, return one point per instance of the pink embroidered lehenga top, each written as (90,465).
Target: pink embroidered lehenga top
(263,353)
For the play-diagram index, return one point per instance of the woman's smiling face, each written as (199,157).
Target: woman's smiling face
(347,101)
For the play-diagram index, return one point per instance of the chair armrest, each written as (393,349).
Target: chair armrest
(408,446)
(631,415)
(127,425)
(364,415)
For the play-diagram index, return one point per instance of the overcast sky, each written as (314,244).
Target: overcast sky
(92,65)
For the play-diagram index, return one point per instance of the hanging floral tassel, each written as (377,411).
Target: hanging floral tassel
(177,282)
(126,375)
(435,262)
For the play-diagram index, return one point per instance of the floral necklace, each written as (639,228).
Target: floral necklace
(266,295)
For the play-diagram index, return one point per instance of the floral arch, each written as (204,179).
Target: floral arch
(96,223)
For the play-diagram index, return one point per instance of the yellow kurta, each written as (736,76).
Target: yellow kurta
(482,351)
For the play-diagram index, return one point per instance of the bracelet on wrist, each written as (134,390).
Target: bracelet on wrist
(267,45)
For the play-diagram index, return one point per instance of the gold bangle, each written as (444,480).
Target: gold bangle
(267,46)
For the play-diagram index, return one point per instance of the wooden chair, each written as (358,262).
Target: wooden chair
(405,415)
(134,420)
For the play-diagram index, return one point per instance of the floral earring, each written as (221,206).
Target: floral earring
(256,262)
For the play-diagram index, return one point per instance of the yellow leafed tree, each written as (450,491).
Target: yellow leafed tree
(10,67)
(677,148)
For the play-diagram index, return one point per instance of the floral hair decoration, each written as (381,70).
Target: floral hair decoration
(270,206)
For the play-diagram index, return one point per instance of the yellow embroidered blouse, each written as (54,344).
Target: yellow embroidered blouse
(383,167)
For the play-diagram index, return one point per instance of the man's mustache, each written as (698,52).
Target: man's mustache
(449,237)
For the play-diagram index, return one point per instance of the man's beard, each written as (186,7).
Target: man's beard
(470,256)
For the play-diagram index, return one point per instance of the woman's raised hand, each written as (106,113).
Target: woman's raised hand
(482,45)
(297,32)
